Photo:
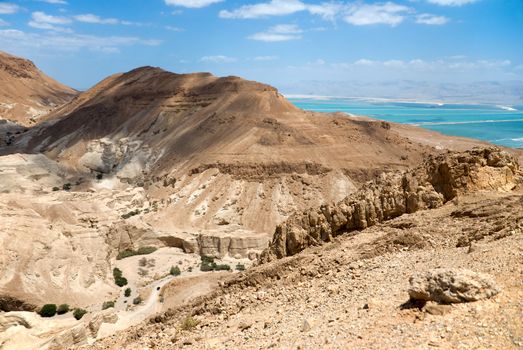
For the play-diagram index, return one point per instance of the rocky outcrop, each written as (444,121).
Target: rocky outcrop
(452,286)
(439,179)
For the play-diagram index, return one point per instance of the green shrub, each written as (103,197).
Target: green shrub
(120,281)
(137,300)
(79,313)
(141,251)
(131,213)
(175,271)
(106,305)
(127,292)
(117,272)
(189,323)
(240,267)
(48,310)
(99,176)
(118,277)
(62,309)
(208,264)
(222,267)
(56,189)
(66,187)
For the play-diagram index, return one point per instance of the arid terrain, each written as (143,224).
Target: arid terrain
(320,218)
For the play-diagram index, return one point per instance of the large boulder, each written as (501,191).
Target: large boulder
(452,286)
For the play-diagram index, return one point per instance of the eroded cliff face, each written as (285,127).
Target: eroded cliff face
(438,180)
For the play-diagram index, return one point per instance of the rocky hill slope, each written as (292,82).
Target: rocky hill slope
(27,94)
(353,292)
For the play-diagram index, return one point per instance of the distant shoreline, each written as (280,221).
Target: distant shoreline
(439,103)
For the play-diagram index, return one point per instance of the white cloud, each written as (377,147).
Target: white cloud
(265,58)
(218,59)
(192,3)
(94,19)
(272,8)
(55,2)
(3,23)
(15,40)
(281,32)
(7,8)
(173,29)
(42,20)
(386,13)
(429,19)
(452,2)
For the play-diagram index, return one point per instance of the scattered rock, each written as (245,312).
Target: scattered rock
(306,326)
(451,286)
(436,309)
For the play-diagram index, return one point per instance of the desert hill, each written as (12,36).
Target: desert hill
(28,94)
(196,165)
(232,151)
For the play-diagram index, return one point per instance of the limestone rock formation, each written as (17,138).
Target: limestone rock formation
(439,179)
(451,286)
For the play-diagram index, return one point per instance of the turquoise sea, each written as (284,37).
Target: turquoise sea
(502,125)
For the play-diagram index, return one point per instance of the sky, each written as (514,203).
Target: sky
(286,43)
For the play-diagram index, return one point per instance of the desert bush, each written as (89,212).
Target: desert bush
(189,323)
(240,267)
(175,271)
(79,313)
(99,176)
(208,264)
(56,189)
(143,272)
(62,309)
(137,300)
(222,267)
(48,310)
(141,251)
(142,262)
(66,187)
(127,292)
(120,281)
(131,213)
(118,277)
(108,304)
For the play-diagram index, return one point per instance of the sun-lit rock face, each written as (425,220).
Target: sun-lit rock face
(438,180)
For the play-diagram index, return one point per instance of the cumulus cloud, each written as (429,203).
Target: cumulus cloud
(387,13)
(452,2)
(94,19)
(429,19)
(281,32)
(272,8)
(15,40)
(55,2)
(218,59)
(192,3)
(265,58)
(173,29)
(7,8)
(42,20)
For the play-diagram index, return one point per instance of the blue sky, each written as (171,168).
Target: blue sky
(281,42)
